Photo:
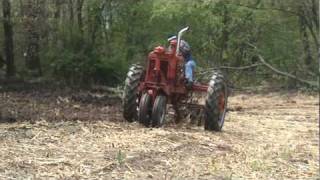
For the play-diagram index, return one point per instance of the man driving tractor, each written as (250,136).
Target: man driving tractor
(189,61)
(148,89)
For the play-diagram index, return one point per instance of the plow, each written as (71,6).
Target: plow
(161,82)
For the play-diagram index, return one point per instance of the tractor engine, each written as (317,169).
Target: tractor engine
(162,67)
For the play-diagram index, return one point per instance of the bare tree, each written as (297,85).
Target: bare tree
(79,14)
(8,36)
(31,17)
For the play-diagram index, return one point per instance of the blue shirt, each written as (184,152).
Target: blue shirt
(189,68)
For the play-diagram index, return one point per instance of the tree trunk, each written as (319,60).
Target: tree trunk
(305,39)
(309,13)
(1,61)
(79,15)
(71,17)
(8,38)
(32,58)
(57,22)
(225,34)
(57,12)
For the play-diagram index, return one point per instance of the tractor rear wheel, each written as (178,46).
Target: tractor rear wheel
(145,109)
(130,94)
(159,111)
(216,103)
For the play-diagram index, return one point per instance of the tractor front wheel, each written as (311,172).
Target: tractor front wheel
(145,109)
(216,103)
(159,111)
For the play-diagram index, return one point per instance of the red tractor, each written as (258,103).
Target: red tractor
(148,90)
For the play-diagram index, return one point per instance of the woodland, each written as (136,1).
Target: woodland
(82,42)
(63,65)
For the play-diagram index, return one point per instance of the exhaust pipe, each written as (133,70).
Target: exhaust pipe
(179,39)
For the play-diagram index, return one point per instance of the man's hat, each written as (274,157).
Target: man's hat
(172,37)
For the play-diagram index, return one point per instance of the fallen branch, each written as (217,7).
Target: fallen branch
(240,68)
(206,71)
(311,83)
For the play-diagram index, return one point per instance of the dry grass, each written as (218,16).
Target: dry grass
(270,136)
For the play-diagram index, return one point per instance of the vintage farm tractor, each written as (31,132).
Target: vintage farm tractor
(148,90)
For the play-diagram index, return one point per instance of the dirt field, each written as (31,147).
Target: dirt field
(55,135)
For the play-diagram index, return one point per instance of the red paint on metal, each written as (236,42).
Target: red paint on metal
(165,75)
(221,102)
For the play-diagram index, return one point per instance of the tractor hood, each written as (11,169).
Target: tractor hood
(159,50)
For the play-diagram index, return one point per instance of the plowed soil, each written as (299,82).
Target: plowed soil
(82,135)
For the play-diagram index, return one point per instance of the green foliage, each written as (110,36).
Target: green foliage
(77,61)
(117,33)
(120,157)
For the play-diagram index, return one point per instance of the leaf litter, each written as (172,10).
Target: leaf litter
(80,135)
